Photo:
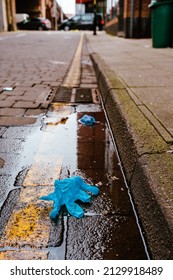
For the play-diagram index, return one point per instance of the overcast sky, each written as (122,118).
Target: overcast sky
(68,6)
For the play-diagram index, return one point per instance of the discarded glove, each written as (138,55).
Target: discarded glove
(87,120)
(66,192)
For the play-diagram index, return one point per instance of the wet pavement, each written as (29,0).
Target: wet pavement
(59,146)
(59,149)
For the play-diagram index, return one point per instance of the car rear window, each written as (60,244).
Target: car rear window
(87,17)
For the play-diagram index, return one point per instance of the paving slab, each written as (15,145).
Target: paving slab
(26,104)
(6,103)
(16,121)
(23,255)
(12,112)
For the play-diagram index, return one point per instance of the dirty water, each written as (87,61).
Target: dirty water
(63,147)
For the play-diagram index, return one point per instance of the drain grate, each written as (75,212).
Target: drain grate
(83,95)
(76,95)
(63,94)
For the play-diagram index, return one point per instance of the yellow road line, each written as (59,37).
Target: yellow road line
(73,76)
(29,224)
(44,170)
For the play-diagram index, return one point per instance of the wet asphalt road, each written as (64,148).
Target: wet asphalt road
(56,145)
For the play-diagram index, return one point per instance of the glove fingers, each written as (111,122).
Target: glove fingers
(55,211)
(75,210)
(84,197)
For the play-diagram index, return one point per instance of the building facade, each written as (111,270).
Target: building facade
(88,6)
(3,16)
(34,8)
(7,15)
(49,9)
(132,19)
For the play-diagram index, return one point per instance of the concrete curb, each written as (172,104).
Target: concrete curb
(147,164)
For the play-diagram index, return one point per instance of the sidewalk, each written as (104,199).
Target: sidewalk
(136,83)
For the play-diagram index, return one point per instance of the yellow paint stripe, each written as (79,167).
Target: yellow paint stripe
(73,76)
(44,170)
(29,224)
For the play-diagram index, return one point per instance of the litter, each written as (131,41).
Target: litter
(63,120)
(66,192)
(113,178)
(87,120)
(57,62)
(169,151)
(55,121)
(8,89)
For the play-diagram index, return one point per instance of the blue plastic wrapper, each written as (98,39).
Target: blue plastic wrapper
(87,120)
(66,192)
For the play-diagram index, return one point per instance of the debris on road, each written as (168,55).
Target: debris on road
(87,120)
(7,89)
(57,62)
(55,121)
(66,192)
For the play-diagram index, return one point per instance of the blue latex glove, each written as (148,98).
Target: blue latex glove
(66,192)
(87,120)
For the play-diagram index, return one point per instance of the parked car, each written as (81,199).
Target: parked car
(83,22)
(21,17)
(34,24)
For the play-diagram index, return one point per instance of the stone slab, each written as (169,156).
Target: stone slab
(16,121)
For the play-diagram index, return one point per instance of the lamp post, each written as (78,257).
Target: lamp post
(94,7)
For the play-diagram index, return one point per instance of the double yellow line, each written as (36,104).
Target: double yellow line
(73,75)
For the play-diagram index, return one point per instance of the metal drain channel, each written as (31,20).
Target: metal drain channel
(76,95)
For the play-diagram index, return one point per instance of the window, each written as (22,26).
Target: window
(87,17)
(75,18)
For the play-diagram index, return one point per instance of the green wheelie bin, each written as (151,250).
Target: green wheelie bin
(162,23)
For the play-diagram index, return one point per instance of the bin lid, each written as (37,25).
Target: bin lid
(155,3)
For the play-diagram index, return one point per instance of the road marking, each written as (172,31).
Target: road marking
(73,96)
(29,224)
(20,35)
(44,171)
(73,75)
